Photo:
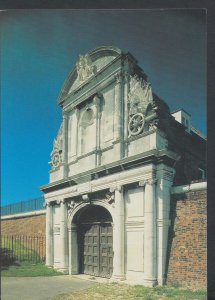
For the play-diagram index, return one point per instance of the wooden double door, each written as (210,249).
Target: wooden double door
(96,248)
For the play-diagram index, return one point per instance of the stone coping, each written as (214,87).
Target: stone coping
(198,186)
(24,214)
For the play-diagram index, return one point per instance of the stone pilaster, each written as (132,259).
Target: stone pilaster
(49,235)
(126,91)
(165,179)
(96,101)
(150,254)
(63,237)
(73,250)
(118,114)
(65,144)
(119,235)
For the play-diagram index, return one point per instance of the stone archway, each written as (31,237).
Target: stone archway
(94,241)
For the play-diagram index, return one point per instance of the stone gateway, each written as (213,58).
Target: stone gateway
(116,156)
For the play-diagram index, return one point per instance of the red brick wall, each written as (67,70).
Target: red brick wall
(187,261)
(28,226)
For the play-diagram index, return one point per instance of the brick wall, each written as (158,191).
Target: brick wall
(187,253)
(28,226)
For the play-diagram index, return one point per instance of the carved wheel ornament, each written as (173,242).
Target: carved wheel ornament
(56,160)
(136,124)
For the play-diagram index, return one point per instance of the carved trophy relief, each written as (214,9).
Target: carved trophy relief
(56,154)
(85,68)
(139,97)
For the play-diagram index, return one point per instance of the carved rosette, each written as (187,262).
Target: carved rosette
(85,68)
(139,97)
(56,154)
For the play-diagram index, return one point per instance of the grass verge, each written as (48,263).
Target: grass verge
(114,291)
(19,248)
(28,269)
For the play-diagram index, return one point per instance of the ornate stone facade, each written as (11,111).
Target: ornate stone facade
(113,166)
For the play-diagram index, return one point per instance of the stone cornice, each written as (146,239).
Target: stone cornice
(114,181)
(150,157)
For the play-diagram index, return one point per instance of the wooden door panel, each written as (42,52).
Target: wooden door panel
(95,248)
(106,250)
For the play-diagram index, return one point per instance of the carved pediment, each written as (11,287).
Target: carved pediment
(85,68)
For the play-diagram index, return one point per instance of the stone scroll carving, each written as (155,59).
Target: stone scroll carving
(110,197)
(71,206)
(56,154)
(139,97)
(85,68)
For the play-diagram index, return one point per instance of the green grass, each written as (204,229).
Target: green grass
(125,292)
(168,292)
(26,262)
(20,251)
(27,269)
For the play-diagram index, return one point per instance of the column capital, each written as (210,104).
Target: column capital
(151,181)
(117,187)
(126,77)
(142,183)
(163,170)
(61,201)
(65,115)
(119,77)
(77,111)
(97,99)
(47,204)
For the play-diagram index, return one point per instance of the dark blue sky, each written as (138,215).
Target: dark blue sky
(40,47)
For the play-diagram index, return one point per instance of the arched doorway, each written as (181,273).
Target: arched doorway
(95,241)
